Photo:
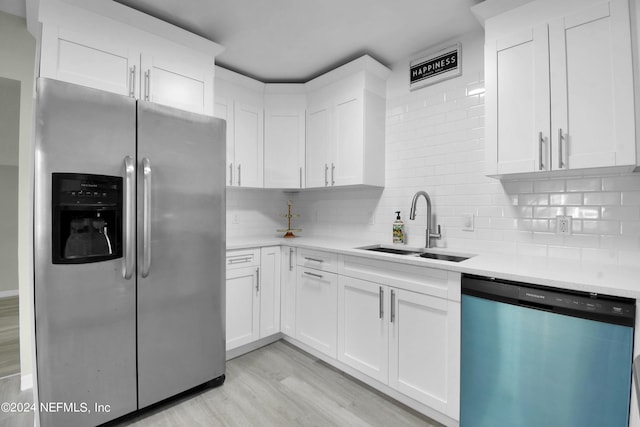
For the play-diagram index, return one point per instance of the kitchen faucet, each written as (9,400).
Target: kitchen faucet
(412,216)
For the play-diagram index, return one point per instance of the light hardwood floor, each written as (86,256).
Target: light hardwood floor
(277,385)
(9,341)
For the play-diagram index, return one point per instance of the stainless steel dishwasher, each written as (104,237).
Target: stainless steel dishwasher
(540,356)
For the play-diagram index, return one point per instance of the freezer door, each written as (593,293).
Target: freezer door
(84,313)
(181,247)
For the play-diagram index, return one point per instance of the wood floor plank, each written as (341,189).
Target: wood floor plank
(9,337)
(277,385)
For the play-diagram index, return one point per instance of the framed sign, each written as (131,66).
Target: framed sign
(438,65)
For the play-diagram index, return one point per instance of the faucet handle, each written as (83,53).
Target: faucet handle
(437,235)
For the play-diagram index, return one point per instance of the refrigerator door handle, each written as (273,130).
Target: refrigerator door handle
(129,217)
(146,217)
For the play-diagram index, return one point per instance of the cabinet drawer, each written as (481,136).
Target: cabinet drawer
(319,260)
(424,280)
(243,258)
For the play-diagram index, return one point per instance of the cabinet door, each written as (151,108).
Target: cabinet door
(248,146)
(318,147)
(243,307)
(284,138)
(91,60)
(178,81)
(591,88)
(288,290)
(363,326)
(269,285)
(224,110)
(348,159)
(424,350)
(517,102)
(317,310)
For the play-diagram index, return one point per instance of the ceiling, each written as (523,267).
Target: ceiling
(297,40)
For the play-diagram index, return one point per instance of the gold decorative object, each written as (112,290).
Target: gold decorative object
(288,232)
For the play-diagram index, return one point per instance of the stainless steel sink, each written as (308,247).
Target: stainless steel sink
(443,257)
(390,250)
(421,252)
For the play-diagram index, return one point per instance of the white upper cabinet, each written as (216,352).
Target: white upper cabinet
(284,136)
(90,59)
(559,92)
(101,52)
(180,79)
(345,126)
(240,101)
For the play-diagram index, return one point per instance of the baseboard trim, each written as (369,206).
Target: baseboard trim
(26,382)
(8,294)
(243,349)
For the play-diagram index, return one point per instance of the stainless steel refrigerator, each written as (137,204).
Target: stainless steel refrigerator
(129,247)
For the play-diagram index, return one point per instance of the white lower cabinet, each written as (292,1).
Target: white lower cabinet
(288,279)
(269,291)
(316,309)
(363,326)
(424,350)
(253,295)
(401,338)
(243,306)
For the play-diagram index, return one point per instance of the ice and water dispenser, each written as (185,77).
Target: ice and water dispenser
(87,218)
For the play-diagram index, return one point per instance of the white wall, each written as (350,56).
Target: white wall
(9,139)
(8,229)
(17,53)
(434,142)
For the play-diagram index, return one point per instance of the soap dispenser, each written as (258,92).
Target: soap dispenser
(398,229)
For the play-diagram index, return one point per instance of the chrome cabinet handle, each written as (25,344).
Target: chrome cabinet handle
(147,84)
(319,276)
(129,217)
(381,297)
(326,171)
(313,259)
(239,175)
(392,318)
(238,260)
(333,169)
(560,138)
(540,142)
(290,259)
(257,279)
(146,215)
(301,177)
(132,82)
(230,173)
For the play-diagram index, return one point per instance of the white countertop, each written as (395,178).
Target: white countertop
(561,273)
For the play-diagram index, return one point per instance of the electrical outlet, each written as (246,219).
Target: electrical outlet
(563,225)
(467,222)
(236,219)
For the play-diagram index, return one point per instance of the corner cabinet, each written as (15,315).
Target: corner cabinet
(284,137)
(549,107)
(104,54)
(345,127)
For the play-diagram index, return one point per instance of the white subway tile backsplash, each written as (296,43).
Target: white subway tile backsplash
(533,199)
(584,184)
(583,212)
(610,198)
(547,212)
(550,186)
(565,199)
